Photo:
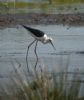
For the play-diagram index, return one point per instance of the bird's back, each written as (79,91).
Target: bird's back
(35,32)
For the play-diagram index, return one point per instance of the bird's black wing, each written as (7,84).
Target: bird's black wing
(35,32)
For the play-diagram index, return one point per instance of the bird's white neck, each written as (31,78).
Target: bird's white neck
(46,39)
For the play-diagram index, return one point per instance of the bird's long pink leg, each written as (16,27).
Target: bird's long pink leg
(36,54)
(27,53)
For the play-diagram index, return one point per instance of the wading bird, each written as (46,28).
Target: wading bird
(38,36)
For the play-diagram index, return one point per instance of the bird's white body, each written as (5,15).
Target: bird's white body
(39,35)
(45,39)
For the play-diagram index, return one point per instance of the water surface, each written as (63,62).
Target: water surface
(14,42)
(69,45)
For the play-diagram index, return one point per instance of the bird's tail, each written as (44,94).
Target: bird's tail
(24,26)
(28,28)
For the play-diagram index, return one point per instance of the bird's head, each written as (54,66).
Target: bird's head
(50,40)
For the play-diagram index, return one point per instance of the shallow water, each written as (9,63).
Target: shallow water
(69,43)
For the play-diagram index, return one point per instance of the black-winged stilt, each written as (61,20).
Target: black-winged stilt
(39,36)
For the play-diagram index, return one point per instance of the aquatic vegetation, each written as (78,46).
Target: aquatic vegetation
(21,7)
(66,1)
(35,5)
(43,86)
(24,4)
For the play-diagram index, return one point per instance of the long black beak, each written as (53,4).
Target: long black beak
(52,45)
